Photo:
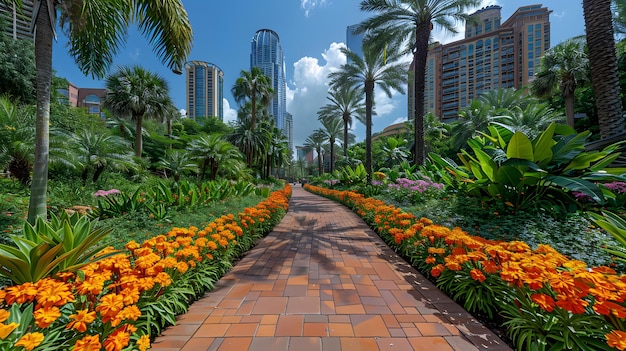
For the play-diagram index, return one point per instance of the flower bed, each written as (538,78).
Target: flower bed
(119,302)
(546,300)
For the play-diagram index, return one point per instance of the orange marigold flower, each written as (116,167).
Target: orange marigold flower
(616,339)
(478,275)
(132,245)
(88,343)
(46,316)
(143,343)
(490,267)
(118,340)
(80,319)
(436,250)
(21,293)
(4,315)
(30,341)
(430,260)
(53,293)
(608,308)
(546,302)
(6,329)
(437,270)
(109,306)
(572,304)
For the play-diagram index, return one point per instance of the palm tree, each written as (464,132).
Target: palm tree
(17,138)
(603,66)
(253,85)
(95,151)
(503,100)
(474,118)
(566,66)
(315,142)
(332,129)
(212,151)
(379,66)
(532,119)
(95,29)
(411,21)
(250,141)
(276,152)
(138,93)
(345,102)
(177,162)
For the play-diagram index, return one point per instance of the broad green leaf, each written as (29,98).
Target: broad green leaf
(509,176)
(520,147)
(487,165)
(577,184)
(543,145)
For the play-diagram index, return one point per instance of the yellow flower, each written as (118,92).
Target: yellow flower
(30,341)
(143,343)
(88,343)
(5,329)
(4,314)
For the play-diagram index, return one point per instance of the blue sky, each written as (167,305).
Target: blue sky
(311,33)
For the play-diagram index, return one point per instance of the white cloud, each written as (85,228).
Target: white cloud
(308,5)
(230,115)
(309,89)
(445,37)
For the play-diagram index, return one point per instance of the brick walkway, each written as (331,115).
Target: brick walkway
(324,281)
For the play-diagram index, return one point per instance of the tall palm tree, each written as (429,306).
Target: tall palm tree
(532,119)
(95,30)
(253,85)
(332,130)
(315,142)
(277,151)
(474,118)
(380,67)
(399,22)
(603,66)
(138,93)
(566,66)
(250,141)
(345,102)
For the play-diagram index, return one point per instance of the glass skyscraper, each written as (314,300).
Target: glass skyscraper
(205,90)
(267,54)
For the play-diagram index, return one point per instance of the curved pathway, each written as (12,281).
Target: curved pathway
(324,281)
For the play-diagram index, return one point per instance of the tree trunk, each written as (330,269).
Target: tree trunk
(43,64)
(420,54)
(568,99)
(138,136)
(346,119)
(369,105)
(603,66)
(332,154)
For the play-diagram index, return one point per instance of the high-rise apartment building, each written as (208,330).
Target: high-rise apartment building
(17,20)
(492,55)
(205,90)
(267,54)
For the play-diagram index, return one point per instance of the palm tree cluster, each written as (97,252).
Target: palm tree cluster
(264,145)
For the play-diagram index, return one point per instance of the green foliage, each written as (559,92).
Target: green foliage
(17,67)
(351,176)
(508,165)
(616,226)
(119,203)
(65,243)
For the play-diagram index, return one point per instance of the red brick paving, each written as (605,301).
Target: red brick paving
(324,281)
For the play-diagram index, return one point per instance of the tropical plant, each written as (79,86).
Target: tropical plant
(137,93)
(254,86)
(17,67)
(351,176)
(405,23)
(213,152)
(471,120)
(519,171)
(277,152)
(93,151)
(603,66)
(66,243)
(532,119)
(380,66)
(564,66)
(616,226)
(251,141)
(331,129)
(346,102)
(17,138)
(177,162)
(393,151)
(315,142)
(95,32)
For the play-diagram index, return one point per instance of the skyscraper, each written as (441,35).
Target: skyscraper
(354,41)
(267,54)
(205,90)
(492,55)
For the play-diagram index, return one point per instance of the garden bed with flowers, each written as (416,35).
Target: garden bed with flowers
(546,300)
(123,298)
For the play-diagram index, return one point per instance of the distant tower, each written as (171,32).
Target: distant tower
(205,90)
(354,41)
(267,54)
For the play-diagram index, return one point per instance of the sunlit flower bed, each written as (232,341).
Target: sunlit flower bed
(116,303)
(545,300)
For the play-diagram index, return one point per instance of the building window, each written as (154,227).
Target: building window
(92,99)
